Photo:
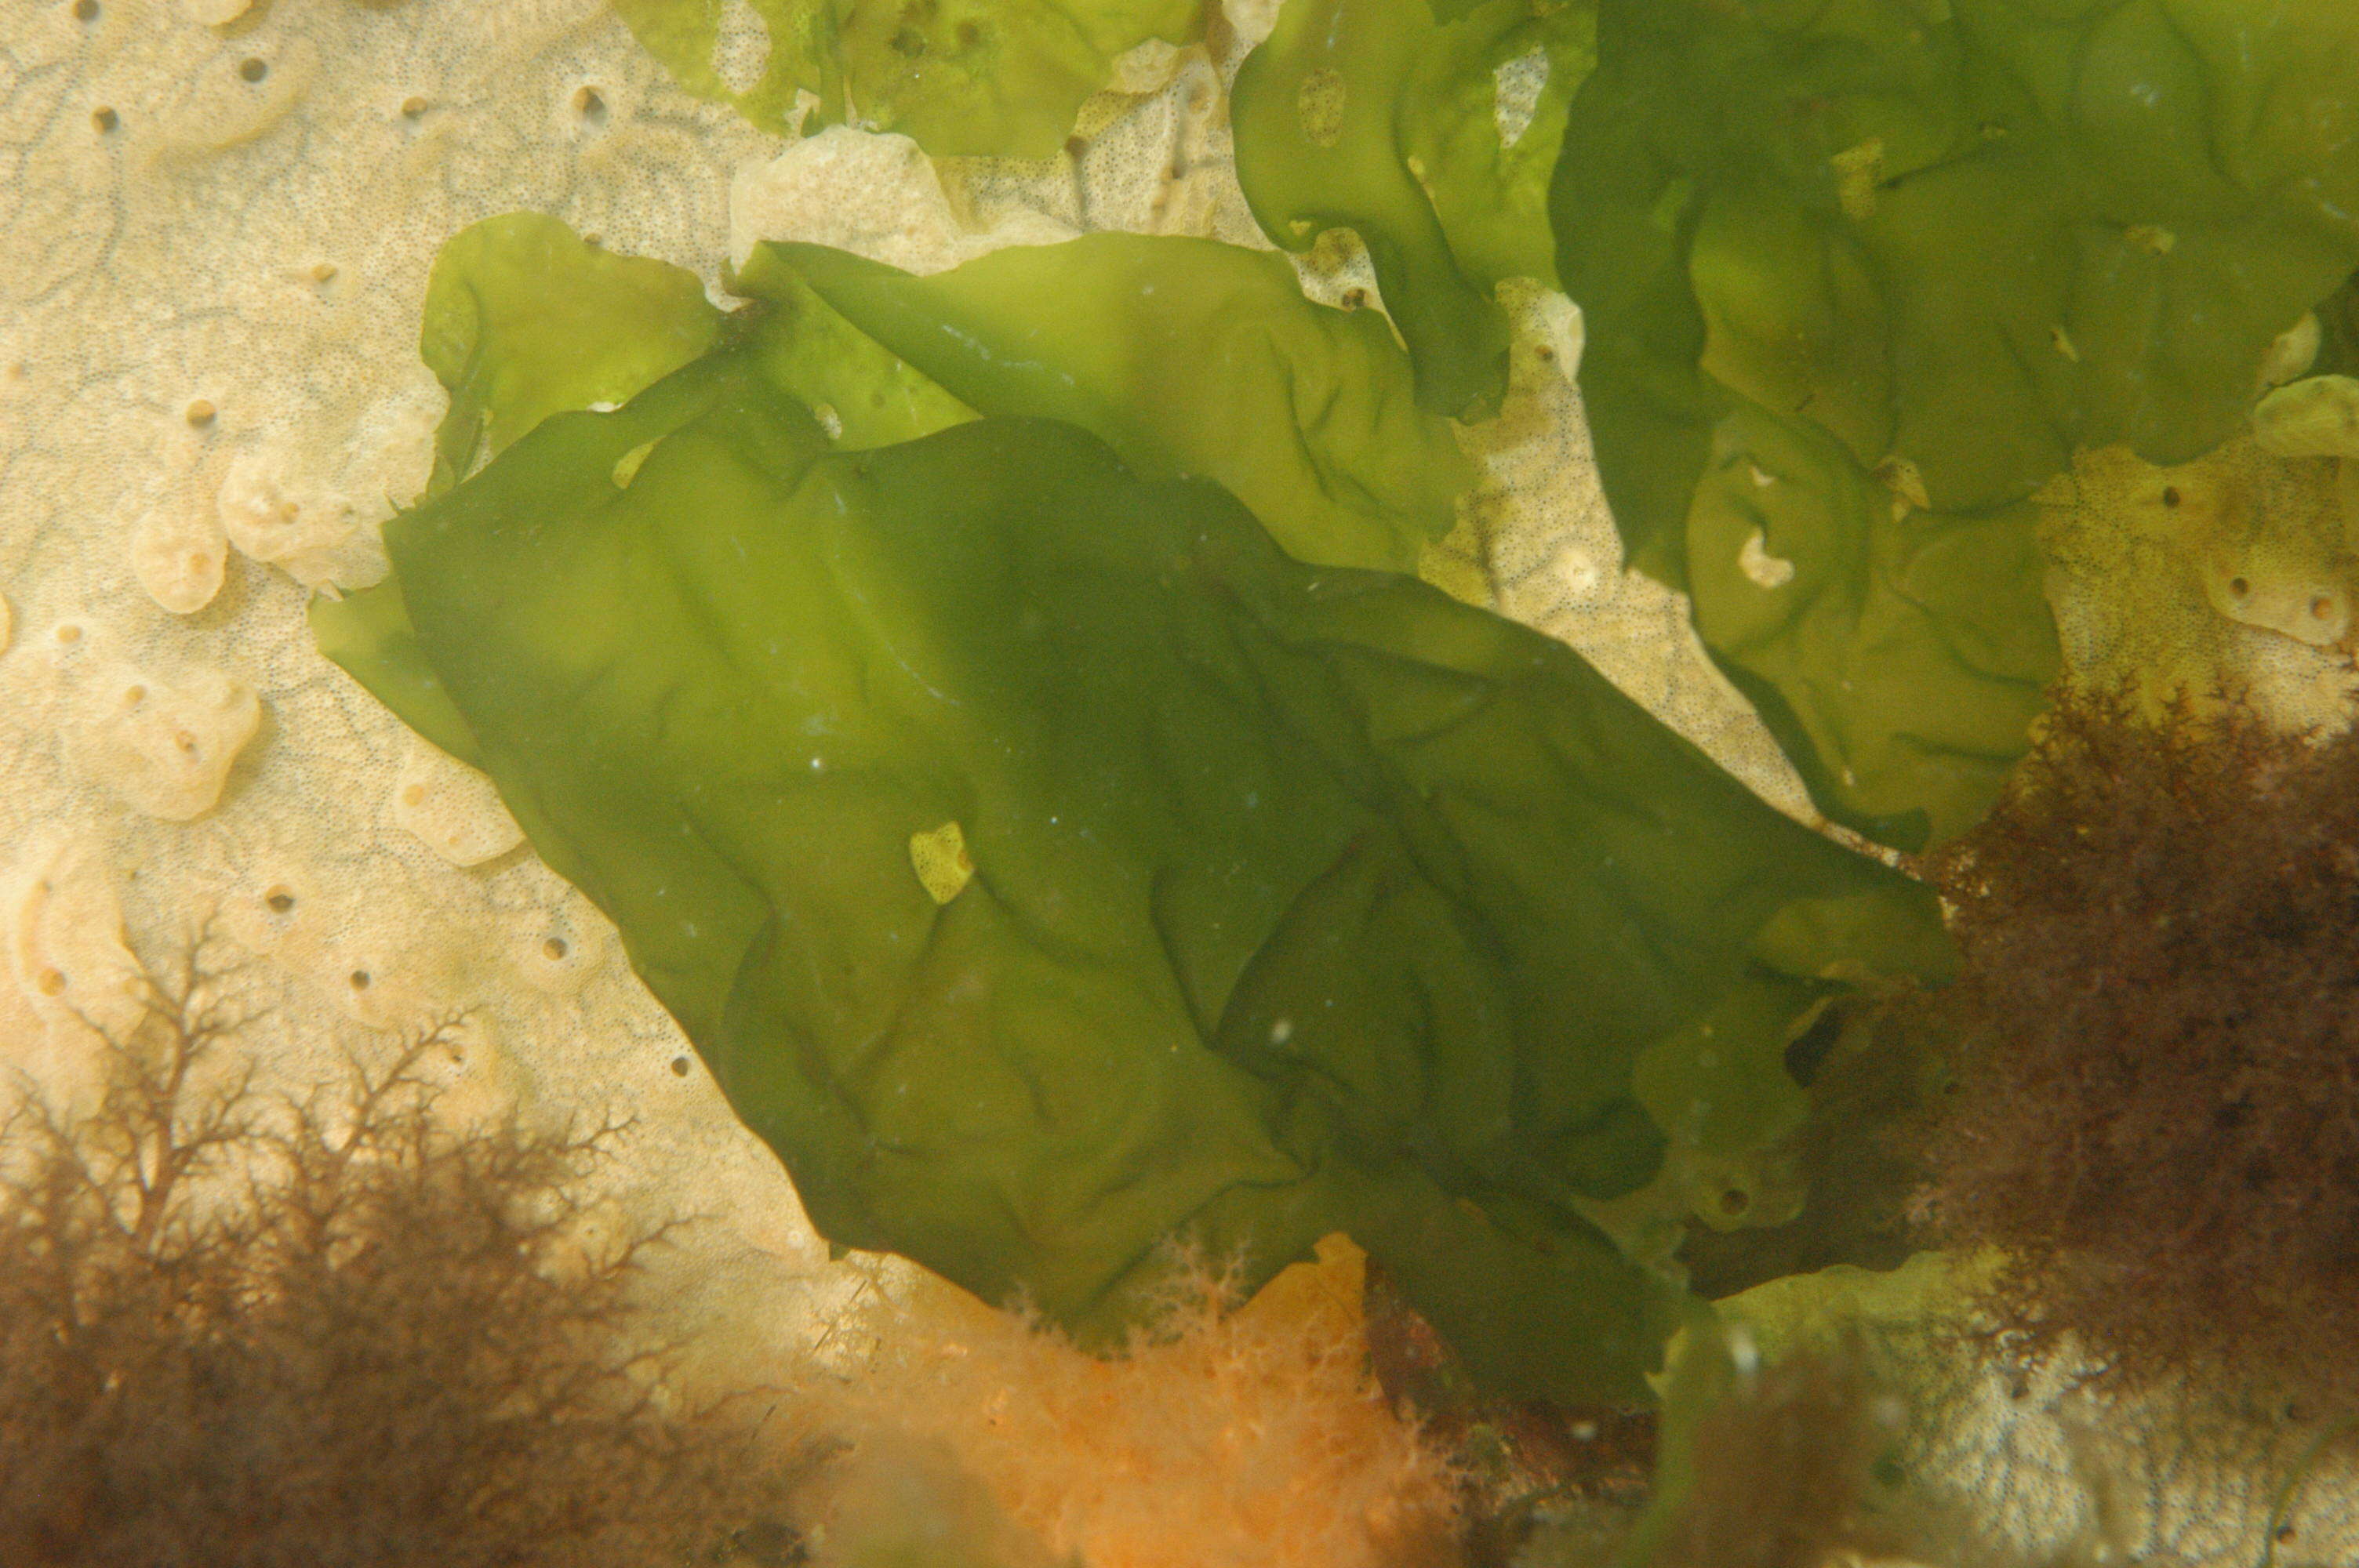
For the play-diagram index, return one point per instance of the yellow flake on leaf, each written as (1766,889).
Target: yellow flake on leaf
(941,858)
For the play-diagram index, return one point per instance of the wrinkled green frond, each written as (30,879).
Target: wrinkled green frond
(1046,863)
(523,317)
(992,78)
(863,394)
(1189,358)
(1950,243)
(1372,116)
(523,320)
(1899,654)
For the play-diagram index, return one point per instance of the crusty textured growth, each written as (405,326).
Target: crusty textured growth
(2157,1117)
(1787,1470)
(236,1331)
(1511,1461)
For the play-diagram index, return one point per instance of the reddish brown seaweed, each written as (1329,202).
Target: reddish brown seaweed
(2158,1117)
(238,1331)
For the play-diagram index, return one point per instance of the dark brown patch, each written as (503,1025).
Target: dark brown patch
(242,1331)
(2157,1114)
(1785,1472)
(1512,1456)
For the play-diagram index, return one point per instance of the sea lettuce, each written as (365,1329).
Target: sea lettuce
(1048,864)
(1189,358)
(995,77)
(1382,116)
(1899,656)
(1948,242)
(524,317)
(863,394)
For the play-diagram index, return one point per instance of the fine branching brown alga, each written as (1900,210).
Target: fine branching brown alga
(2157,1117)
(241,1330)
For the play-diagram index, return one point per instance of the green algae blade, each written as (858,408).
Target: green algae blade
(523,317)
(1375,117)
(1189,358)
(1900,656)
(1954,242)
(1288,898)
(1048,864)
(987,78)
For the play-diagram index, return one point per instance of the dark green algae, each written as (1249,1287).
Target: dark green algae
(1303,897)
(1857,278)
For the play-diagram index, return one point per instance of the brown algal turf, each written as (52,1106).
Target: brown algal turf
(240,1331)
(2157,1111)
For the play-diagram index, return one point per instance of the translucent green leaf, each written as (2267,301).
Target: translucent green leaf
(523,320)
(368,633)
(1187,356)
(990,78)
(862,395)
(1954,241)
(1965,235)
(1718,1085)
(523,317)
(1372,116)
(1484,120)
(1900,654)
(1046,863)
(1871,1072)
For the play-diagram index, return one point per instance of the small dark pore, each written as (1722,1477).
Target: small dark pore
(2170,495)
(554,948)
(679,1066)
(85,10)
(253,67)
(360,978)
(105,119)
